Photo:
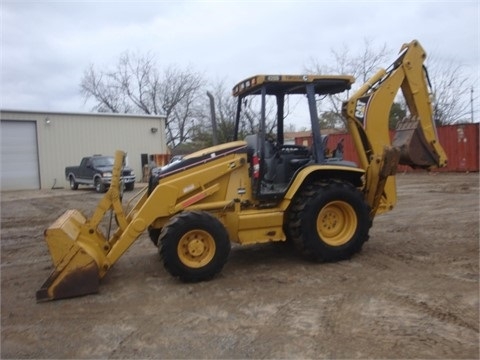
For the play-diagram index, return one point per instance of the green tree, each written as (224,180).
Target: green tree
(397,113)
(331,120)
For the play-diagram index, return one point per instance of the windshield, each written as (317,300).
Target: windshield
(103,161)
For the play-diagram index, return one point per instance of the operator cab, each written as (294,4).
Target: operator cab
(264,102)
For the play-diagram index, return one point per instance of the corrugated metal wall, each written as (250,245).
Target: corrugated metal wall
(64,138)
(460,142)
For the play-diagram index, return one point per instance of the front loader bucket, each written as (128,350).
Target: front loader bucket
(415,150)
(76,271)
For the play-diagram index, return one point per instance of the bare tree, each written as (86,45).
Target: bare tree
(451,91)
(450,87)
(136,86)
(180,93)
(100,87)
(361,66)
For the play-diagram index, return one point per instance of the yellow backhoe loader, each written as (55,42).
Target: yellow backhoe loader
(260,189)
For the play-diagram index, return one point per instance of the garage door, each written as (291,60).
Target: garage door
(19,155)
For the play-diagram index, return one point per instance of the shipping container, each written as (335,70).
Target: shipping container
(460,142)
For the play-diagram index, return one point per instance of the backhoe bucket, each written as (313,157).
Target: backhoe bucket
(76,271)
(415,150)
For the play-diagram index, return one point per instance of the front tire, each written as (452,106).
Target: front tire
(194,246)
(154,234)
(73,184)
(329,221)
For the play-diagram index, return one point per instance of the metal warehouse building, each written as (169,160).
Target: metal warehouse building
(37,146)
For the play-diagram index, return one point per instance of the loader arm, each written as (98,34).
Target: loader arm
(78,247)
(175,194)
(82,254)
(415,143)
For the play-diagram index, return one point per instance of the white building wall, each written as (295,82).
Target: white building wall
(64,138)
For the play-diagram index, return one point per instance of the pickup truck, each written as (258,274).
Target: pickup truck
(97,171)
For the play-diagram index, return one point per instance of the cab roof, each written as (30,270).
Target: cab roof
(293,84)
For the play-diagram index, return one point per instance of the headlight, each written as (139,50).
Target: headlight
(107,174)
(132,174)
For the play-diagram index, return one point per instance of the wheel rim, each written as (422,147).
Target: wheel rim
(336,223)
(196,248)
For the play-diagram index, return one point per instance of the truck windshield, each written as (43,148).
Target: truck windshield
(103,161)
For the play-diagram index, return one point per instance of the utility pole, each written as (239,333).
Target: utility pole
(471,104)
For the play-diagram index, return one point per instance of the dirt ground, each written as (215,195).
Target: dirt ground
(413,291)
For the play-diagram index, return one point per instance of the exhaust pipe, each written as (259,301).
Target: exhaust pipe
(214,119)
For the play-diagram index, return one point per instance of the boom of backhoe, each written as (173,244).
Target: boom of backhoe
(254,190)
(415,143)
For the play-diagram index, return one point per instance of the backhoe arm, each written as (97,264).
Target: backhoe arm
(416,142)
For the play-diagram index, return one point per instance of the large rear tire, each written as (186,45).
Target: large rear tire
(329,221)
(194,246)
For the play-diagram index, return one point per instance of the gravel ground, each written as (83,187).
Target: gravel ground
(413,291)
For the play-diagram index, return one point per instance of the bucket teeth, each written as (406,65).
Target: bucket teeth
(70,283)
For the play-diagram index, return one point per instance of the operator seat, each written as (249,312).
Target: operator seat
(270,158)
(252,144)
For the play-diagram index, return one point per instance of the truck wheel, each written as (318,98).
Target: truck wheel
(129,186)
(99,186)
(73,184)
(329,221)
(194,246)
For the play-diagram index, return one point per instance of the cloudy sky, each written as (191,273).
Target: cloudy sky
(47,45)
